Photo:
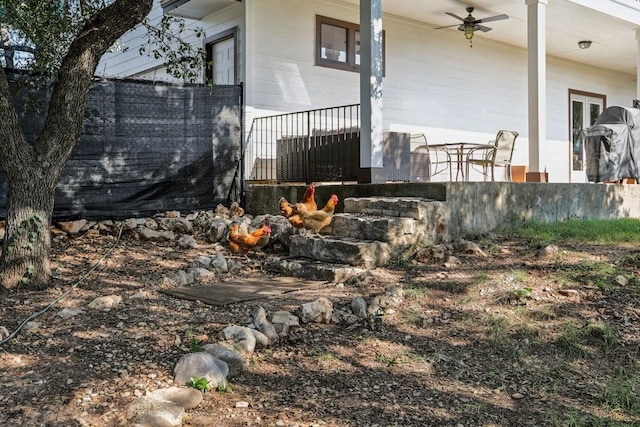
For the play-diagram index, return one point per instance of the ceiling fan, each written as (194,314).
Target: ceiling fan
(470,24)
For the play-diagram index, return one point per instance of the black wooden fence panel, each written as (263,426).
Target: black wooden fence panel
(147,147)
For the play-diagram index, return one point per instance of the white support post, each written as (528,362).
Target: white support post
(537,78)
(637,67)
(371,121)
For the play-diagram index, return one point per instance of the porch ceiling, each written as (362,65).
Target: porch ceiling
(194,9)
(613,45)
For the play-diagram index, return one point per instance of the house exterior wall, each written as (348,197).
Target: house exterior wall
(131,64)
(434,82)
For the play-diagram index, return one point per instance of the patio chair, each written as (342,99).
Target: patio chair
(488,158)
(437,160)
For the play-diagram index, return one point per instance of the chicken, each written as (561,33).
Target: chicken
(288,210)
(317,219)
(235,209)
(244,242)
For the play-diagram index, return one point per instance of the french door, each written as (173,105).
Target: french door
(221,49)
(584,109)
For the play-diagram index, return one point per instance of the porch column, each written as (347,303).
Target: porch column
(637,100)
(371,92)
(537,82)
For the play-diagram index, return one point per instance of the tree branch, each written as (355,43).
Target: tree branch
(66,108)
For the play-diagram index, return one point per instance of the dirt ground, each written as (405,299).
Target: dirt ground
(510,339)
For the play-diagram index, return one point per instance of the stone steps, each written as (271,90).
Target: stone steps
(304,268)
(370,233)
(344,250)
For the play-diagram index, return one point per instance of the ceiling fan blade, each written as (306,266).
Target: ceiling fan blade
(491,18)
(482,28)
(455,16)
(447,26)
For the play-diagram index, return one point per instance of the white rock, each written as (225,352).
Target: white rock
(72,227)
(228,354)
(201,261)
(149,411)
(621,280)
(108,301)
(452,262)
(318,311)
(201,365)
(201,274)
(186,397)
(359,307)
(67,313)
(187,242)
(148,234)
(219,263)
(548,251)
(260,320)
(285,317)
(244,338)
(217,230)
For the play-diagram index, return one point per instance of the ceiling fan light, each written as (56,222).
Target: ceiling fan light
(468,32)
(584,44)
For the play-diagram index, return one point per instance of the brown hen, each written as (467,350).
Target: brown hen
(288,210)
(318,219)
(244,242)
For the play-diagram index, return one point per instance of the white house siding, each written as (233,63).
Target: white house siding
(434,83)
(132,64)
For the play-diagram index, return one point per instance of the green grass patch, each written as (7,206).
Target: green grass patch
(570,341)
(387,360)
(621,392)
(575,341)
(517,276)
(416,291)
(575,418)
(543,314)
(625,230)
(516,296)
(496,326)
(481,277)
(593,273)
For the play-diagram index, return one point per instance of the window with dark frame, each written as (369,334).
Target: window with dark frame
(338,44)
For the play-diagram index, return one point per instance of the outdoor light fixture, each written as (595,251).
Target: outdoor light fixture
(584,44)
(468,31)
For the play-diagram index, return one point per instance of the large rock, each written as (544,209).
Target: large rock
(184,396)
(244,338)
(318,311)
(72,227)
(148,234)
(106,302)
(260,320)
(228,354)
(201,365)
(149,411)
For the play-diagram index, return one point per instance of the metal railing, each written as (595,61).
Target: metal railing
(304,146)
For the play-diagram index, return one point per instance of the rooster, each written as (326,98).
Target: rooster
(288,210)
(315,220)
(245,242)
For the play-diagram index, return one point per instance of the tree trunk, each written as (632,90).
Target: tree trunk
(25,259)
(32,168)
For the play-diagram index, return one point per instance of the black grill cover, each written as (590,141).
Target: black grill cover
(612,145)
